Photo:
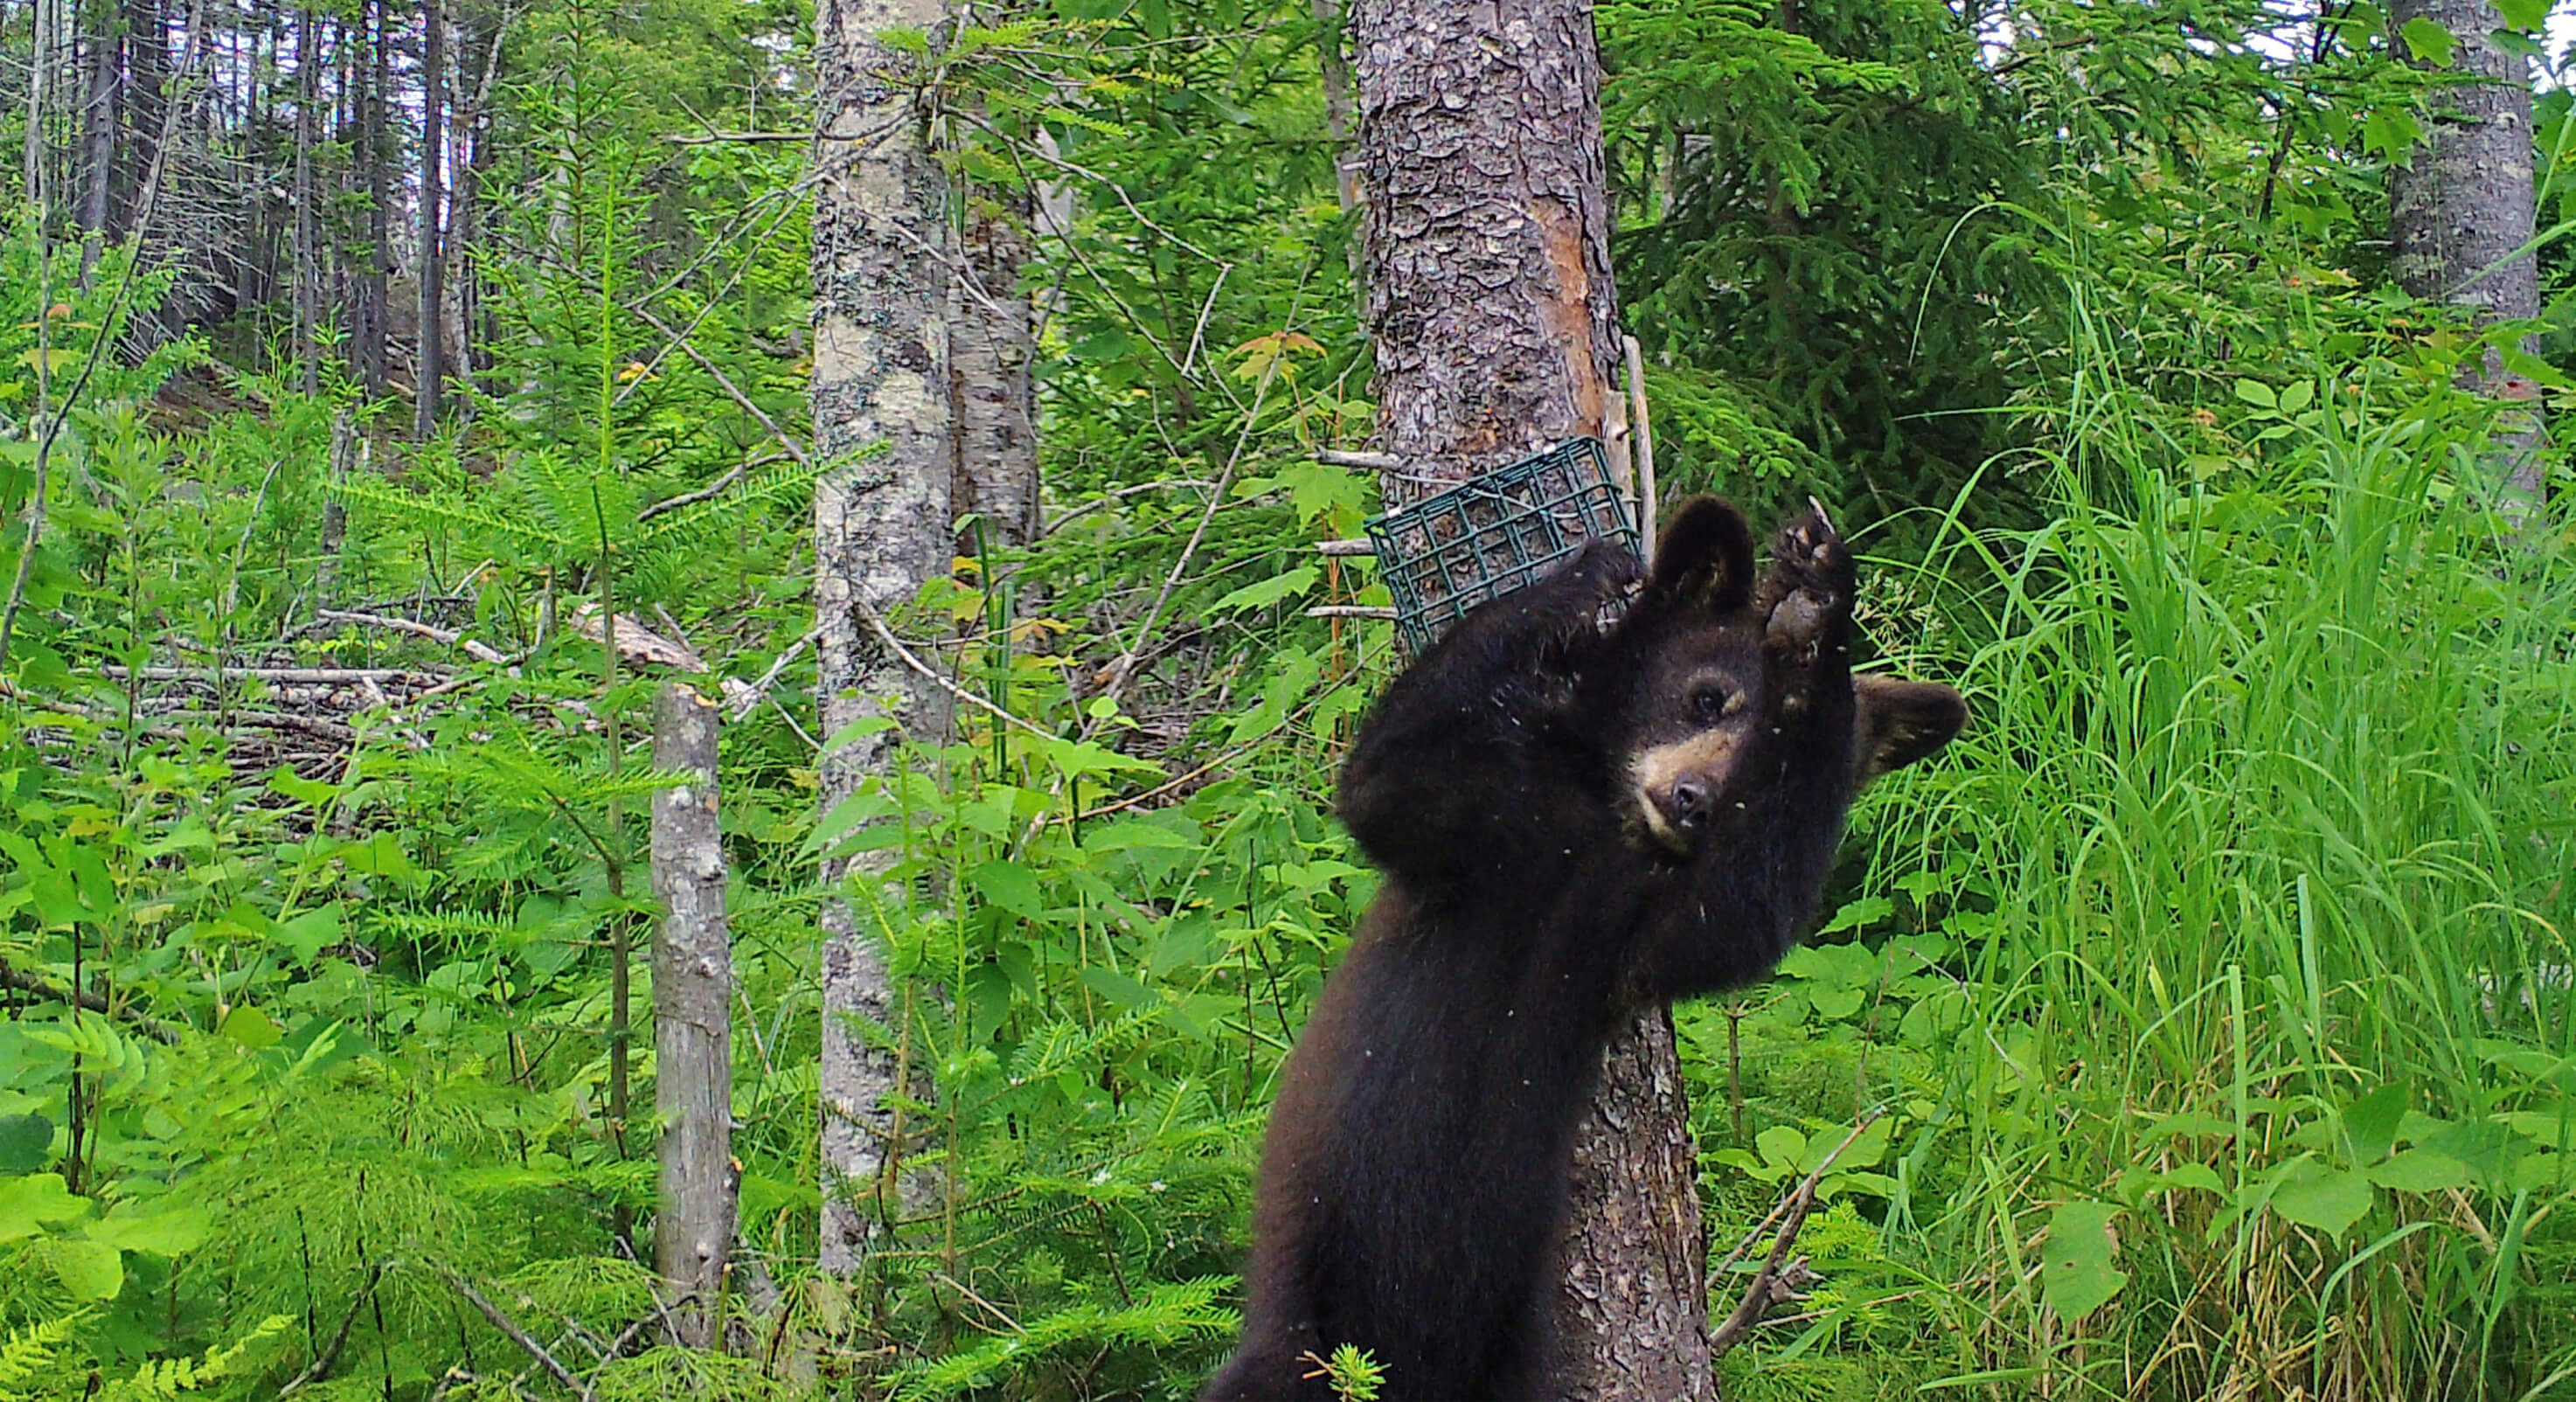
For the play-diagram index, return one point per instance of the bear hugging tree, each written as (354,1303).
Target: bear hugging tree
(1571,822)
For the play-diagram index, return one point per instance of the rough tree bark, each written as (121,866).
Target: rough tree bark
(375,296)
(692,1018)
(308,261)
(429,366)
(881,527)
(99,129)
(2462,207)
(992,341)
(147,45)
(1492,313)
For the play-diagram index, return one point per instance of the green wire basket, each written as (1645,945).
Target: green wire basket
(1495,533)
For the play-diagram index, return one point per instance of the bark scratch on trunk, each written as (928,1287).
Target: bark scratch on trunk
(692,1018)
(881,526)
(1492,311)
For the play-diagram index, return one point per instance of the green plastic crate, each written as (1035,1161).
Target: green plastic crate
(1484,538)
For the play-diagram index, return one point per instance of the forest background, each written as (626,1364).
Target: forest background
(2201,1025)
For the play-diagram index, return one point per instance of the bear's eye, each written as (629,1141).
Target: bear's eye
(1709,703)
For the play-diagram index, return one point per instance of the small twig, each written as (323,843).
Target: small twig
(742,400)
(323,1363)
(747,699)
(479,651)
(1118,494)
(1374,462)
(715,488)
(1345,549)
(1350,611)
(286,676)
(36,986)
(720,138)
(1768,1284)
(886,635)
(330,730)
(1779,1277)
(510,1329)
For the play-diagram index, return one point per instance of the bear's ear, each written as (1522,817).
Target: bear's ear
(1704,558)
(1896,723)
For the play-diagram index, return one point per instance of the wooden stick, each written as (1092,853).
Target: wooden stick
(510,1329)
(287,676)
(1778,1273)
(1642,430)
(1374,462)
(479,651)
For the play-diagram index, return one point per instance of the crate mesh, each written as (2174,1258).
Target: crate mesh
(1501,531)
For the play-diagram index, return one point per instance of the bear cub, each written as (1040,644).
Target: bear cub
(1572,822)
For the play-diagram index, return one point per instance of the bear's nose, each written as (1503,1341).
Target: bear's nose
(1688,802)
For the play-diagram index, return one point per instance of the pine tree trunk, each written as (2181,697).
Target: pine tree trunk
(692,1019)
(147,44)
(881,527)
(98,132)
(375,297)
(2463,206)
(1492,312)
(992,341)
(430,366)
(308,263)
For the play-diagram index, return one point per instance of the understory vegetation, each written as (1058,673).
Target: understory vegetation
(2201,1024)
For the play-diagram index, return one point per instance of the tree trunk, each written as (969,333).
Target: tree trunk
(1492,313)
(1489,299)
(881,527)
(147,45)
(692,1018)
(375,298)
(2460,210)
(98,132)
(991,344)
(308,262)
(429,367)
(1338,119)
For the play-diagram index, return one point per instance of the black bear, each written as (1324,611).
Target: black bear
(1570,822)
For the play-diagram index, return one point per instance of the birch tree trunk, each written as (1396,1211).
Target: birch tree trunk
(2460,210)
(692,1018)
(1492,312)
(881,527)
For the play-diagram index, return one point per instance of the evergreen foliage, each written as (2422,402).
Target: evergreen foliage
(2201,1025)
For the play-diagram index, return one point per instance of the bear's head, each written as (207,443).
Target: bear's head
(1708,675)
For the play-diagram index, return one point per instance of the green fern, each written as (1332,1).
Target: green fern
(1161,1315)
(29,1353)
(171,1377)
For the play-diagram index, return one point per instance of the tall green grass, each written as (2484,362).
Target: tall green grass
(2255,868)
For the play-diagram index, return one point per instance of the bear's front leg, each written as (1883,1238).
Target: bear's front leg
(1806,605)
(1464,748)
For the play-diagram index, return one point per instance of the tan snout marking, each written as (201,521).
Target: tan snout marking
(1710,754)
